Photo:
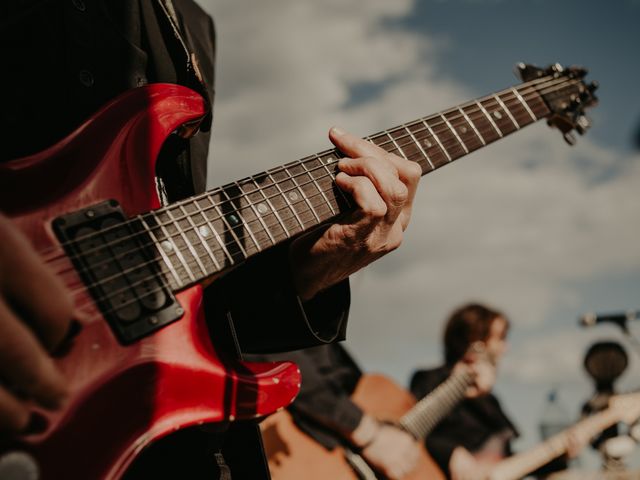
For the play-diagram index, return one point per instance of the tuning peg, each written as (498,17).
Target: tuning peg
(578,72)
(582,124)
(526,72)
(570,138)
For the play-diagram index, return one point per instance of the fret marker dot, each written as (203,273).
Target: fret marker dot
(233,219)
(167,246)
(204,231)
(497,114)
(427,144)
(463,129)
(293,196)
(262,208)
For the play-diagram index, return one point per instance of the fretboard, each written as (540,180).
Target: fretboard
(204,235)
(428,412)
(519,465)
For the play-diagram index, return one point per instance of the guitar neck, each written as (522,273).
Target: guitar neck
(204,235)
(428,412)
(519,465)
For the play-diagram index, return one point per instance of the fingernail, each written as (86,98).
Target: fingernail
(338,131)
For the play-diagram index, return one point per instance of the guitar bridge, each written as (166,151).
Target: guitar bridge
(116,261)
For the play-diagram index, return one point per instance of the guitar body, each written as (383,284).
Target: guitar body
(292,454)
(123,397)
(384,399)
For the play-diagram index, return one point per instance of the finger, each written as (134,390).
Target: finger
(353,146)
(408,171)
(385,179)
(364,193)
(14,415)
(25,365)
(34,290)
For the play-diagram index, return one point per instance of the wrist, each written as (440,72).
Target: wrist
(366,432)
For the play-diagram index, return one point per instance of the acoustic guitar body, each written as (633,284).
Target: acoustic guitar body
(293,455)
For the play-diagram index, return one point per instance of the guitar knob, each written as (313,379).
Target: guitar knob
(583,124)
(570,138)
(18,466)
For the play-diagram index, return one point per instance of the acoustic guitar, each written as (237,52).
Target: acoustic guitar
(293,454)
(144,362)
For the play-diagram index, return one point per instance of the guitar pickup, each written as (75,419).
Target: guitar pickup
(115,259)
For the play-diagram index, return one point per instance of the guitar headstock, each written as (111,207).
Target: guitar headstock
(627,406)
(565,93)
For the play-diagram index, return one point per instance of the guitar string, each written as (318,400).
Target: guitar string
(137,267)
(166,272)
(489,98)
(218,249)
(172,222)
(191,261)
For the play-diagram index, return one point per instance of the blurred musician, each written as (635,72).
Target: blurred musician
(477,433)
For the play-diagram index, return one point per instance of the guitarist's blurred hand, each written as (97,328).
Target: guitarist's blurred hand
(391,450)
(394,451)
(383,186)
(35,313)
(464,466)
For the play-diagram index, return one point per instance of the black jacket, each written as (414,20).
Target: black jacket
(470,424)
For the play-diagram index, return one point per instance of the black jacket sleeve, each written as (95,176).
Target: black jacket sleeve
(266,312)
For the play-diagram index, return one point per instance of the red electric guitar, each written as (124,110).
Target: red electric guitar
(144,363)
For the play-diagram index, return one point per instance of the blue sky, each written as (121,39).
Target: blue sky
(536,228)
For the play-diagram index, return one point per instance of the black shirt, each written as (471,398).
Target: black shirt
(471,424)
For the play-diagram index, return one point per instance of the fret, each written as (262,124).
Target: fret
(539,108)
(169,244)
(220,253)
(516,108)
(314,167)
(181,231)
(447,136)
(198,232)
(332,159)
(422,151)
(468,119)
(260,209)
(295,197)
(464,130)
(234,225)
(393,140)
(294,171)
(218,226)
(524,104)
(288,201)
(270,212)
(435,154)
(435,137)
(279,203)
(486,114)
(504,107)
(412,149)
(160,250)
(455,133)
(185,216)
(499,115)
(242,219)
